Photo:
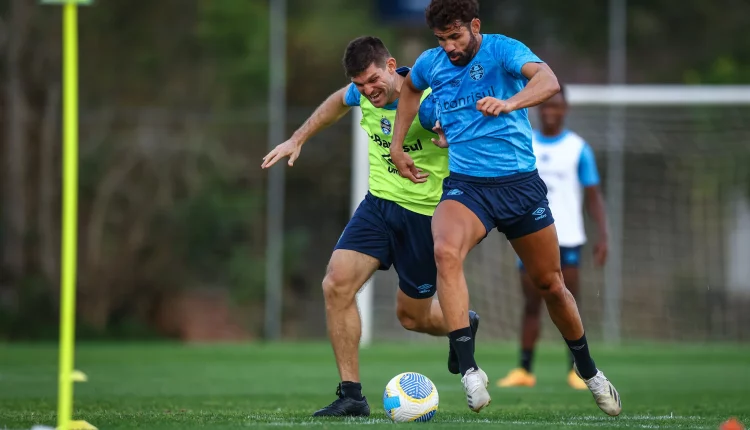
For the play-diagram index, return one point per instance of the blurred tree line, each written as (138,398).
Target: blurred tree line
(173,126)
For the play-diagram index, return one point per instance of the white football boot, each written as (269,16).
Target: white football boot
(475,385)
(605,394)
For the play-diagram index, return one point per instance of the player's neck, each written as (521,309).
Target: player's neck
(552,131)
(478,47)
(397,92)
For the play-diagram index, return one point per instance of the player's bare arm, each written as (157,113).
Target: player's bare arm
(596,209)
(330,111)
(408,107)
(541,86)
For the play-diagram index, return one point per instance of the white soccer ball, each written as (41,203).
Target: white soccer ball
(410,396)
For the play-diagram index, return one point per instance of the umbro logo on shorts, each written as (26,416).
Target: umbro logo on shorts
(455,192)
(539,214)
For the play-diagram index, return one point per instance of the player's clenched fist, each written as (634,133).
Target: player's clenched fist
(406,167)
(490,106)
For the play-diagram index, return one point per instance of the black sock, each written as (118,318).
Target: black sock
(463,343)
(527,356)
(570,360)
(352,390)
(580,350)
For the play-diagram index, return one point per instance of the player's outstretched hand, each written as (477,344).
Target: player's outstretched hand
(290,148)
(600,252)
(406,167)
(490,106)
(441,141)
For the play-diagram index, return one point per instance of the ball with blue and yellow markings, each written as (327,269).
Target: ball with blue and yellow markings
(410,396)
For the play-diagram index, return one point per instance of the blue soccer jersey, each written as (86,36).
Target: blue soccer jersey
(481,146)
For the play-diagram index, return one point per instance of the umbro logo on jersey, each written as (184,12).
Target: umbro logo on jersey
(455,83)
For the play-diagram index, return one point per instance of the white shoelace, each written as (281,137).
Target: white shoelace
(598,384)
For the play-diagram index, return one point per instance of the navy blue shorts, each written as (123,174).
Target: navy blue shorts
(570,256)
(516,204)
(395,236)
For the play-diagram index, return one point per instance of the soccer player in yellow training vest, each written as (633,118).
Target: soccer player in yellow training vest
(392,225)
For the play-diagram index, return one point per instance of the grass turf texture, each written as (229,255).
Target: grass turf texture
(168,386)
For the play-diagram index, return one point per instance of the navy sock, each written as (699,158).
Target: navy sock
(463,343)
(527,356)
(580,350)
(352,390)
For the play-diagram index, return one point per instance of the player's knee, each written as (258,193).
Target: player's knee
(407,320)
(337,288)
(550,283)
(446,255)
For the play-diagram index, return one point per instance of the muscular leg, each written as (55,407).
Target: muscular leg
(456,230)
(531,318)
(347,272)
(420,315)
(540,254)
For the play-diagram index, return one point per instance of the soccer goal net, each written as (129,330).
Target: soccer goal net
(674,163)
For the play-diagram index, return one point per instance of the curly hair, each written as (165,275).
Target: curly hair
(444,13)
(363,51)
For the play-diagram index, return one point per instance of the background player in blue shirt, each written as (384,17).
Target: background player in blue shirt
(482,86)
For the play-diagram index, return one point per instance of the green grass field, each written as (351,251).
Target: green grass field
(168,386)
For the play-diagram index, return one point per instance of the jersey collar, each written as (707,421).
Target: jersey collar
(550,140)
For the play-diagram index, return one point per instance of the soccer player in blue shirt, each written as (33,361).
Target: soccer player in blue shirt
(483,85)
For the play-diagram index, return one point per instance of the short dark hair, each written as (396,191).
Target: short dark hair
(442,14)
(363,51)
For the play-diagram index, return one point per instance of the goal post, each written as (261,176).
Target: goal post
(621,122)
(360,185)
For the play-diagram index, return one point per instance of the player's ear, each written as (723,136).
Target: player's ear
(475,26)
(390,65)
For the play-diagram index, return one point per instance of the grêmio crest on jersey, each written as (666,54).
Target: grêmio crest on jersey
(385,126)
